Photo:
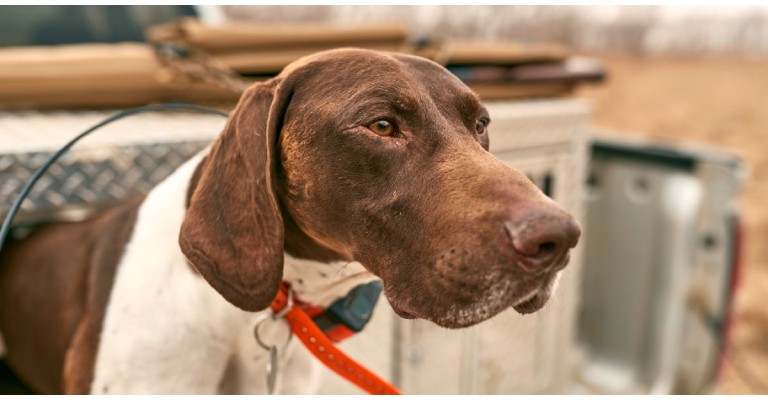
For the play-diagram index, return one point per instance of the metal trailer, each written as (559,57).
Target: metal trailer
(626,321)
(509,354)
(662,252)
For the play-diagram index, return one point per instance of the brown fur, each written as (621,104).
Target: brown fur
(54,288)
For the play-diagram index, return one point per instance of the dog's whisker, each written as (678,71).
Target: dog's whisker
(341,269)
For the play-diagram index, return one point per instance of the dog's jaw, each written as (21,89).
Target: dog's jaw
(501,294)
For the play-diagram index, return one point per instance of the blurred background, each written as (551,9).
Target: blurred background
(649,122)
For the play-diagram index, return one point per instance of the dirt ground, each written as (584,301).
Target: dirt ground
(715,101)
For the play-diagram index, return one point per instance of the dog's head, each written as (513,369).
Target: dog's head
(383,159)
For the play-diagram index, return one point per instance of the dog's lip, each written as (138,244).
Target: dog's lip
(526,297)
(534,296)
(532,303)
(402,313)
(398,309)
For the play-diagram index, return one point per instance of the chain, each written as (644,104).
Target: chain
(184,65)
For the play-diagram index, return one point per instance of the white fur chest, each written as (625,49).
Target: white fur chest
(167,331)
(165,328)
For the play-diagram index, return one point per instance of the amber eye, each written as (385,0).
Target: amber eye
(480,126)
(382,128)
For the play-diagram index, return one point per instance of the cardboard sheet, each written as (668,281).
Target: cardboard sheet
(128,74)
(235,37)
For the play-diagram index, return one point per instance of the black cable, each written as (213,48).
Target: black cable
(6,227)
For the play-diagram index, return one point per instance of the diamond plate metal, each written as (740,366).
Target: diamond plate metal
(124,160)
(76,182)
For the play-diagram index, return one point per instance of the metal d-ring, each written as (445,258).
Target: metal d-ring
(273,364)
(273,316)
(288,306)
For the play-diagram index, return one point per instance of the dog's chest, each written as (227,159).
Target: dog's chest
(166,330)
(162,318)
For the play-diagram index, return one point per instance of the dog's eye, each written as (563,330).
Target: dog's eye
(480,126)
(382,128)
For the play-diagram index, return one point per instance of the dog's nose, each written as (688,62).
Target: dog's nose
(542,240)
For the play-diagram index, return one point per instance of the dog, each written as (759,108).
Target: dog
(349,166)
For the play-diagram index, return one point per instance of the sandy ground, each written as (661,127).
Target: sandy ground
(722,102)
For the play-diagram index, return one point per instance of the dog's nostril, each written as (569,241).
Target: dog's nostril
(547,247)
(542,240)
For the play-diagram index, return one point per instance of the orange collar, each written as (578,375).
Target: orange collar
(321,346)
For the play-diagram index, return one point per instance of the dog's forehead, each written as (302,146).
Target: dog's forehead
(344,73)
(441,84)
(432,74)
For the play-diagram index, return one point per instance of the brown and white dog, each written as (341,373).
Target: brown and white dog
(349,166)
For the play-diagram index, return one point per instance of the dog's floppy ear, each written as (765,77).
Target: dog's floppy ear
(233,232)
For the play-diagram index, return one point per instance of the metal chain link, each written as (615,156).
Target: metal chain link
(184,65)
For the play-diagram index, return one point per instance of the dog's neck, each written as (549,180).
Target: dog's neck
(318,275)
(301,245)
